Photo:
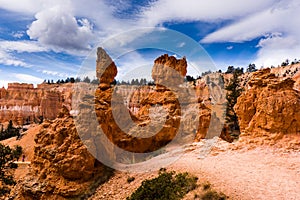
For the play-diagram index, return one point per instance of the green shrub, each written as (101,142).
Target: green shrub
(206,185)
(213,195)
(167,186)
(130,179)
(11,131)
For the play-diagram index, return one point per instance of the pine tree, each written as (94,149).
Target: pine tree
(233,92)
(7,156)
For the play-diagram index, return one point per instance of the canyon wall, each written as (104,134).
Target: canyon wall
(269,109)
(23,104)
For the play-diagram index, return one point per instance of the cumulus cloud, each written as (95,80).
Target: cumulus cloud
(60,30)
(275,49)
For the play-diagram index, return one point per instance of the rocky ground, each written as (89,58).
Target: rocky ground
(240,173)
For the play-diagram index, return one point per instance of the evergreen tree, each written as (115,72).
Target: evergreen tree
(72,80)
(7,156)
(87,79)
(233,92)
(77,80)
(230,70)
(10,125)
(251,68)
(132,82)
(189,78)
(95,81)
(67,80)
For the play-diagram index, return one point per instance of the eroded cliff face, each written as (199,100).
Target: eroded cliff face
(269,109)
(22,103)
(62,167)
(121,126)
(159,109)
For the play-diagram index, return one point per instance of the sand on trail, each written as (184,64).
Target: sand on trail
(260,173)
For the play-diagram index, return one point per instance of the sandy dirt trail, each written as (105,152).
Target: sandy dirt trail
(261,173)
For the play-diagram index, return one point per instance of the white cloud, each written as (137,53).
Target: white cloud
(4,83)
(60,30)
(54,73)
(28,78)
(229,47)
(18,34)
(200,10)
(134,65)
(274,50)
(255,25)
(70,26)
(29,7)
(278,25)
(18,77)
(7,59)
(7,49)
(22,46)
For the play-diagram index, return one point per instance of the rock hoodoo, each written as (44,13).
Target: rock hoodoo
(62,167)
(108,114)
(106,69)
(269,109)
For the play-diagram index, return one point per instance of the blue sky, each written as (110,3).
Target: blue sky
(50,39)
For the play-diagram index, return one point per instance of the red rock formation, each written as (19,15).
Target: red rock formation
(106,69)
(62,167)
(112,114)
(269,109)
(22,103)
(169,70)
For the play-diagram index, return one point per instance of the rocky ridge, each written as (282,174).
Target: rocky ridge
(269,110)
(24,104)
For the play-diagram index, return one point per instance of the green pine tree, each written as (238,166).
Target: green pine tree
(7,156)
(233,92)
